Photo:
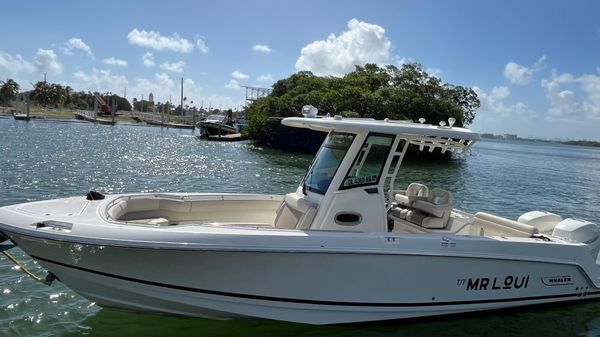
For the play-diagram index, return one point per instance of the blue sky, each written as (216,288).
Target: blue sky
(534,64)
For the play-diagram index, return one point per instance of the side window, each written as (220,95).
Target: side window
(368,164)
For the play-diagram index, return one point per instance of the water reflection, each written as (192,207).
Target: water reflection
(42,160)
(561,320)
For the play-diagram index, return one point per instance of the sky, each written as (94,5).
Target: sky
(534,64)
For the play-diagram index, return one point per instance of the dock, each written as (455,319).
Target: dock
(92,116)
(153,119)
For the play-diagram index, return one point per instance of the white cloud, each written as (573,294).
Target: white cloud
(522,75)
(201,46)
(239,75)
(176,67)
(164,80)
(262,48)
(434,71)
(265,78)
(76,43)
(115,62)
(47,62)
(233,84)
(156,41)
(148,60)
(361,43)
(14,65)
(99,80)
(494,104)
(581,98)
(500,92)
(163,88)
(400,61)
(516,73)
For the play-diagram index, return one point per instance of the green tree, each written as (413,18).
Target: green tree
(123,104)
(138,105)
(42,93)
(370,91)
(8,91)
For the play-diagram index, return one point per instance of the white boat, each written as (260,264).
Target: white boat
(339,249)
(215,125)
(21,116)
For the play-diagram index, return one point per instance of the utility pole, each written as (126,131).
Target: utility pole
(193,115)
(182,98)
(113,107)
(17,103)
(26,98)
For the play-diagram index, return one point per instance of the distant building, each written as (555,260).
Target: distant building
(509,136)
(151,102)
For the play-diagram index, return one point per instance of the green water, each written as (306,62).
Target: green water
(41,160)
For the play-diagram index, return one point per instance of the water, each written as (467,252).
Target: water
(41,160)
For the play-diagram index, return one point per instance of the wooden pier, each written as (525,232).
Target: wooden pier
(92,116)
(158,120)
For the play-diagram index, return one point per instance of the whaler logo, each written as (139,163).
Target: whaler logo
(447,242)
(486,283)
(562,280)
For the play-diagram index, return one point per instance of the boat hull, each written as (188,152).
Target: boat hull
(21,117)
(317,287)
(215,129)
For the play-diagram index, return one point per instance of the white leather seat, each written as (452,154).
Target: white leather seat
(493,225)
(414,192)
(295,213)
(433,212)
(400,212)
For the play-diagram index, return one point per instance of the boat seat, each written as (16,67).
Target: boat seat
(414,192)
(400,212)
(143,209)
(295,213)
(492,225)
(116,211)
(434,212)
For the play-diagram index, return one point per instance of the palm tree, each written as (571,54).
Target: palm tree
(42,93)
(68,92)
(8,90)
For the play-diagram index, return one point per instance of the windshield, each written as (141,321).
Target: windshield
(369,162)
(327,161)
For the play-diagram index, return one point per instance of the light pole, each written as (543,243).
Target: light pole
(193,115)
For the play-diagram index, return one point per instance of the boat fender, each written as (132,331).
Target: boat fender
(93,195)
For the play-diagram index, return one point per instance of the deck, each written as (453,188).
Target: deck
(91,116)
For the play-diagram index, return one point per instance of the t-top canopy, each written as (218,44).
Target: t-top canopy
(422,135)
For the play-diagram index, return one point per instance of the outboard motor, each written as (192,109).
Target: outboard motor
(580,231)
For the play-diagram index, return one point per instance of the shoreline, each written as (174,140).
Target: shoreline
(126,119)
(122,119)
